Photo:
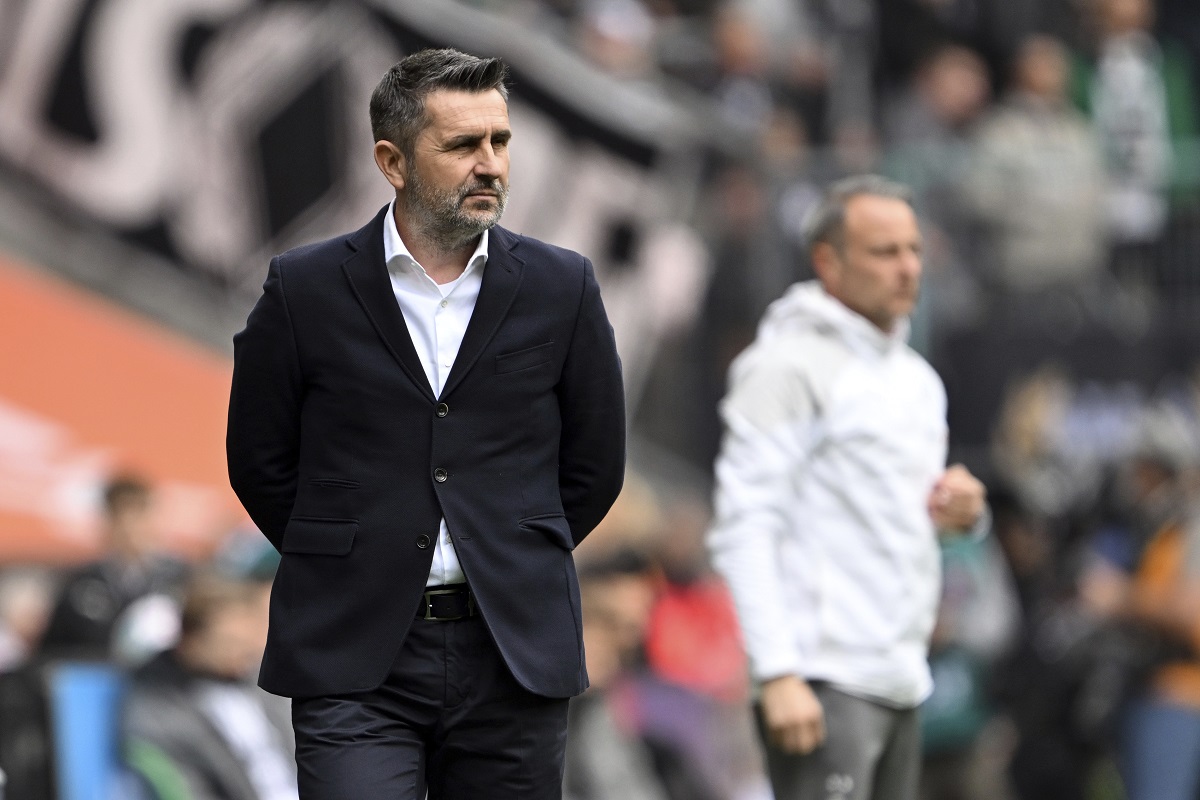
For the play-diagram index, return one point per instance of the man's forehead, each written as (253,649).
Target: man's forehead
(459,109)
(864,213)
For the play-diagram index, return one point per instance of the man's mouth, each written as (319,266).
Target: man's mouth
(482,191)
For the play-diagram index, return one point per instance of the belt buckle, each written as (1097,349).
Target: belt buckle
(430,593)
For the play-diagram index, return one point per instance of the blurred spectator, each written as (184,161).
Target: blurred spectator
(617,36)
(947,94)
(912,28)
(853,28)
(1161,736)
(693,643)
(195,726)
(1038,187)
(978,619)
(1140,94)
(928,127)
(25,735)
(1030,452)
(606,758)
(1079,662)
(1147,572)
(791,29)
(25,597)
(692,637)
(122,606)
(743,91)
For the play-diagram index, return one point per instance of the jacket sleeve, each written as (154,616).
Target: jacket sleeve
(263,437)
(769,420)
(591,397)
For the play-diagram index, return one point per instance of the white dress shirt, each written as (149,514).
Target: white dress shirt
(437,317)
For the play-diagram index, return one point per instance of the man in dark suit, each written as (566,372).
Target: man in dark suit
(426,417)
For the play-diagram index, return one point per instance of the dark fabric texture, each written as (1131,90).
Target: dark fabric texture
(449,719)
(339,451)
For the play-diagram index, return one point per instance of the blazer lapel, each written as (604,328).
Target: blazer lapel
(372,286)
(501,279)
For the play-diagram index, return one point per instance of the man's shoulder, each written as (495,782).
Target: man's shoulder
(799,363)
(324,250)
(537,252)
(333,250)
(923,369)
(803,350)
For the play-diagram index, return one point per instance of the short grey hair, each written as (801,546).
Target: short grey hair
(826,222)
(398,102)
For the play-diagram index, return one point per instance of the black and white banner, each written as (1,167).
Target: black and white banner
(215,133)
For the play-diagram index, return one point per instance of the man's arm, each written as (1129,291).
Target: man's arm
(768,416)
(591,399)
(263,438)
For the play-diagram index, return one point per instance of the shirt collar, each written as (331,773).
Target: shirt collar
(396,253)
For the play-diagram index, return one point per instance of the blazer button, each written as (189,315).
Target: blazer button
(442,409)
(422,541)
(440,475)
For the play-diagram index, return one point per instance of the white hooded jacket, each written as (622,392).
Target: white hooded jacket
(835,433)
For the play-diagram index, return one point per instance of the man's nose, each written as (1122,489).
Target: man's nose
(489,162)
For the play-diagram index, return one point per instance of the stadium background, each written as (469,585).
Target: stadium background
(154,155)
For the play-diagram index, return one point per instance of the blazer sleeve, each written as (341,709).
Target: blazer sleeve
(262,440)
(591,397)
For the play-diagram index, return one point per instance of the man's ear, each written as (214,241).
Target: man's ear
(392,163)
(825,262)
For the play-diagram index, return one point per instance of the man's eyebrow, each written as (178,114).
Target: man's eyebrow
(464,138)
(504,134)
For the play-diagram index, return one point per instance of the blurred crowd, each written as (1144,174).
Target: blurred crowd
(1053,148)
(1052,145)
(1065,656)
(133,673)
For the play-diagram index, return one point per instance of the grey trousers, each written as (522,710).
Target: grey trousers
(871,752)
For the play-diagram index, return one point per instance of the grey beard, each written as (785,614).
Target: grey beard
(440,218)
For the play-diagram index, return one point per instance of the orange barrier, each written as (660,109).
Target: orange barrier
(88,388)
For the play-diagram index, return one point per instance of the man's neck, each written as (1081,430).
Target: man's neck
(441,261)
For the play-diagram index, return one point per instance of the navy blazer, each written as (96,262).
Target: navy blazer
(347,462)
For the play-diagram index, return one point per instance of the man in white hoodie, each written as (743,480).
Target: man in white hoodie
(831,493)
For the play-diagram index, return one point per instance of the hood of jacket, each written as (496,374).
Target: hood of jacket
(808,307)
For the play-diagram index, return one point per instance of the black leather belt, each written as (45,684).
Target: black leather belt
(446,603)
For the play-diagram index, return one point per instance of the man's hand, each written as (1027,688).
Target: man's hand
(956,500)
(793,715)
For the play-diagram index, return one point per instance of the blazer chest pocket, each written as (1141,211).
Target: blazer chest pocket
(524,359)
(322,537)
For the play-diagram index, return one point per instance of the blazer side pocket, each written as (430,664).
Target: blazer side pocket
(553,526)
(322,537)
(524,359)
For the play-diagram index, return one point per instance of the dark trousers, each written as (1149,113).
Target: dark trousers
(450,719)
